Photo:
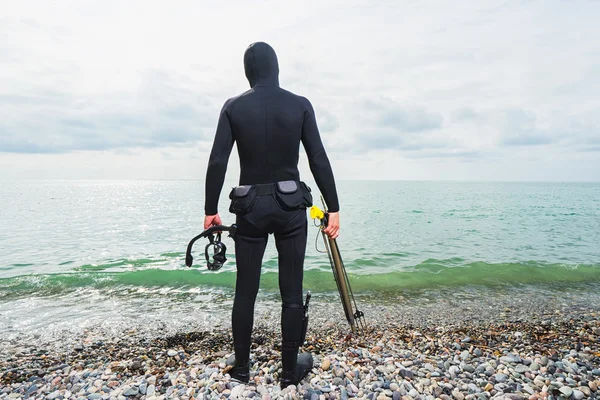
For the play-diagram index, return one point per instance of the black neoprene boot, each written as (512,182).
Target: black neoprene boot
(293,374)
(239,372)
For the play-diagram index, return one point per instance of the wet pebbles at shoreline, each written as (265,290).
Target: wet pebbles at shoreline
(554,358)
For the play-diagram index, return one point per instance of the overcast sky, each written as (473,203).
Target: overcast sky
(442,90)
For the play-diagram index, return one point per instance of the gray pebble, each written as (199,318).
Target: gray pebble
(51,396)
(32,389)
(570,367)
(469,368)
(150,390)
(510,358)
(567,391)
(343,394)
(534,366)
(528,389)
(406,373)
(501,387)
(458,395)
(560,365)
(472,388)
(132,391)
(521,369)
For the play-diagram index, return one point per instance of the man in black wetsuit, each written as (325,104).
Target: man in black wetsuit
(268,124)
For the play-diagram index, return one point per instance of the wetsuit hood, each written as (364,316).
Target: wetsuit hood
(260,65)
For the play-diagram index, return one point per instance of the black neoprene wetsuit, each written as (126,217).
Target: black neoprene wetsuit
(268,124)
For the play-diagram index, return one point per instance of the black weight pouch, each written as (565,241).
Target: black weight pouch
(243,199)
(293,195)
(290,195)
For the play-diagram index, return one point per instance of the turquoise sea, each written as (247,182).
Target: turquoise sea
(78,253)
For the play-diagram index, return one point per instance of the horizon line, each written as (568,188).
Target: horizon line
(336,180)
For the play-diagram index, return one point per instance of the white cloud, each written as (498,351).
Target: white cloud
(407,90)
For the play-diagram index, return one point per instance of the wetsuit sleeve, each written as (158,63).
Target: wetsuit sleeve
(217,163)
(318,160)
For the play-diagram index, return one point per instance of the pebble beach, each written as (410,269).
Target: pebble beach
(497,348)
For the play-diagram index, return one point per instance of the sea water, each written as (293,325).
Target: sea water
(83,253)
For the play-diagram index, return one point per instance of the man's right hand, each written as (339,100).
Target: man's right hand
(333,225)
(211,220)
